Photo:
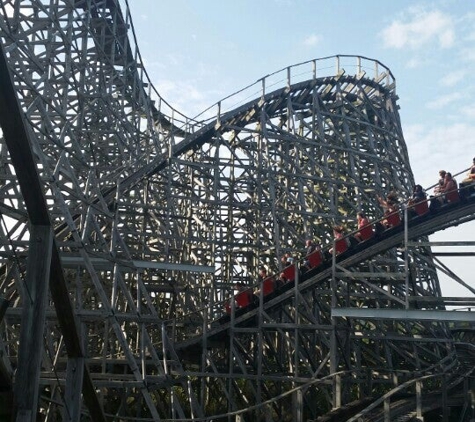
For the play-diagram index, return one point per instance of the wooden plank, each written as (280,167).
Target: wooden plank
(33,321)
(72,395)
(4,304)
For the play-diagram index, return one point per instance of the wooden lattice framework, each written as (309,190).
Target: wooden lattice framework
(155,215)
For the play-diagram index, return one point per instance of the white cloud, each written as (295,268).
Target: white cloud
(452,78)
(432,148)
(165,61)
(416,62)
(444,100)
(467,54)
(413,63)
(469,111)
(312,40)
(188,96)
(468,20)
(470,37)
(152,66)
(419,29)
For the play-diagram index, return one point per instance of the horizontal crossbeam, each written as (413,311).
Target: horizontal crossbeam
(403,314)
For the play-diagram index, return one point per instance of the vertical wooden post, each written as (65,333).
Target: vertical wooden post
(297,404)
(4,304)
(33,323)
(445,407)
(387,410)
(333,337)
(72,395)
(419,401)
(406,254)
(472,405)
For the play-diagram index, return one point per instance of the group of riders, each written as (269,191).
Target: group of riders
(445,192)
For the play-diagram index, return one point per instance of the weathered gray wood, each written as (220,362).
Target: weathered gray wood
(4,303)
(72,396)
(33,322)
(314,149)
(71,335)
(17,139)
(24,416)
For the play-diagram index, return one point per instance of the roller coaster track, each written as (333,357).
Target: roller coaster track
(393,407)
(421,226)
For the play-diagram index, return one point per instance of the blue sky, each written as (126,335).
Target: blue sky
(199,51)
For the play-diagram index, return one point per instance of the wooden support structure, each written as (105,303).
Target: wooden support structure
(153,224)
(16,137)
(32,324)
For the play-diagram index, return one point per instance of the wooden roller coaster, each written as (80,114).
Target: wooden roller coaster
(125,225)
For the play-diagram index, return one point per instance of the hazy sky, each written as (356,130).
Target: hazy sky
(199,51)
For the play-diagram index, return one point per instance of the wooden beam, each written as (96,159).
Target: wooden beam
(32,325)
(4,304)
(72,395)
(404,314)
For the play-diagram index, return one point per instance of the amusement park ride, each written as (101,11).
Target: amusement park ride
(125,226)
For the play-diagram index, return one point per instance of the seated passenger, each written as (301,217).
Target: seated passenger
(243,297)
(281,280)
(285,277)
(288,270)
(288,273)
(365,229)
(449,191)
(311,259)
(310,246)
(262,274)
(418,195)
(341,242)
(467,185)
(266,283)
(441,182)
(239,299)
(286,260)
(418,202)
(391,214)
